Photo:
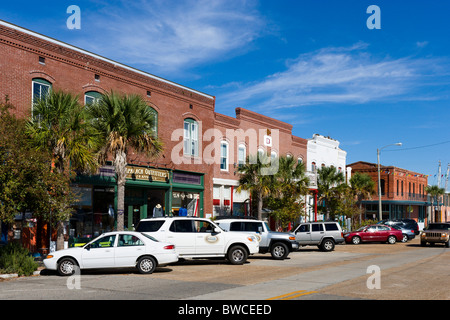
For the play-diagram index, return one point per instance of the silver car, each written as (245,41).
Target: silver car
(324,235)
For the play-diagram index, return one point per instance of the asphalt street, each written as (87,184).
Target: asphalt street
(404,271)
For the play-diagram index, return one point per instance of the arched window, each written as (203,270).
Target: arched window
(92,97)
(190,137)
(40,88)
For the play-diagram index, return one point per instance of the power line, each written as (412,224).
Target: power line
(419,147)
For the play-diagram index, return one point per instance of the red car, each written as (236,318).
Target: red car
(374,233)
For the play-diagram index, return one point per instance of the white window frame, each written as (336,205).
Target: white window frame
(224,157)
(242,160)
(190,137)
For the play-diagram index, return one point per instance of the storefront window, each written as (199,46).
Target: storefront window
(185,203)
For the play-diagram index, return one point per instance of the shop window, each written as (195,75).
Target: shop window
(190,137)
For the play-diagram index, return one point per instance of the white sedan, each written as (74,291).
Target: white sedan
(114,250)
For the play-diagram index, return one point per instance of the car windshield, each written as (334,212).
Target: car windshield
(267,226)
(444,226)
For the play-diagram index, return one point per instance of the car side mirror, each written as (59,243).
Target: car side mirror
(88,247)
(260,229)
(217,230)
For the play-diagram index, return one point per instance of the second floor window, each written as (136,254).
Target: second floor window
(190,137)
(241,155)
(223,156)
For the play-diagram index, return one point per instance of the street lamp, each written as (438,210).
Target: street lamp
(380,215)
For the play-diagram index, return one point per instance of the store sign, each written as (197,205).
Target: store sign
(147,174)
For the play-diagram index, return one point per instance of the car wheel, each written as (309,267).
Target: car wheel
(327,245)
(423,243)
(391,239)
(146,265)
(237,255)
(447,244)
(356,240)
(67,267)
(405,238)
(279,251)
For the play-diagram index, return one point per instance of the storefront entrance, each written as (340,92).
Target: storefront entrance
(141,203)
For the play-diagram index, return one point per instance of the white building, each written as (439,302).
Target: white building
(323,152)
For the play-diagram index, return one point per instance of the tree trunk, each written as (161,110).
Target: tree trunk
(60,235)
(260,206)
(120,164)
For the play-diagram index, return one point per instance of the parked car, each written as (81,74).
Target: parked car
(408,233)
(436,233)
(325,235)
(409,223)
(114,250)
(200,238)
(279,244)
(374,233)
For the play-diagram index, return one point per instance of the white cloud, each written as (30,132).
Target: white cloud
(171,34)
(338,75)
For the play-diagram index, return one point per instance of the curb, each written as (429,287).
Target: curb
(15,275)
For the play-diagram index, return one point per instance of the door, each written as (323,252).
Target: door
(100,253)
(208,241)
(370,234)
(303,234)
(317,233)
(129,248)
(181,233)
(382,233)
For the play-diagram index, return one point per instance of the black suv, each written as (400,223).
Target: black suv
(408,223)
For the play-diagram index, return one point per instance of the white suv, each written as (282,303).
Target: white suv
(200,238)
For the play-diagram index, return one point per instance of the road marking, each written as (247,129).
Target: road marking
(292,295)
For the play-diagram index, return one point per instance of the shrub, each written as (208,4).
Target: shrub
(16,259)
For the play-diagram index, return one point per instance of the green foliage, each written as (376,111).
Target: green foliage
(16,259)
(27,181)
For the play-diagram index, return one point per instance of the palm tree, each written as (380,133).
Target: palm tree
(289,184)
(434,192)
(122,123)
(362,186)
(253,181)
(327,179)
(59,126)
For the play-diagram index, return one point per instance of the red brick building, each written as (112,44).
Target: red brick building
(402,192)
(31,64)
(192,172)
(244,136)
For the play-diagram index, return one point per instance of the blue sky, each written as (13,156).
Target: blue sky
(313,64)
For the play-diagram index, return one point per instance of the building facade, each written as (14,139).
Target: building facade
(247,134)
(32,64)
(322,152)
(403,192)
